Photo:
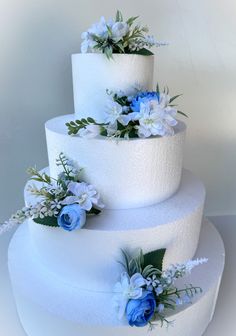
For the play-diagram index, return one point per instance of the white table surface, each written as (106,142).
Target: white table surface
(223,321)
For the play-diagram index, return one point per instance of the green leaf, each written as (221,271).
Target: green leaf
(94,211)
(143,51)
(48,221)
(91,120)
(180,112)
(109,31)
(131,20)
(108,52)
(154,258)
(119,16)
(126,260)
(84,121)
(157,88)
(121,47)
(175,97)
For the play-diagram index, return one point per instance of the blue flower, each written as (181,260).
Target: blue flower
(71,217)
(140,311)
(143,97)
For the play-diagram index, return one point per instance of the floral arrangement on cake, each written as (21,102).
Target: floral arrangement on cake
(118,36)
(139,114)
(145,292)
(63,202)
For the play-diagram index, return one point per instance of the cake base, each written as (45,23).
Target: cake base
(38,318)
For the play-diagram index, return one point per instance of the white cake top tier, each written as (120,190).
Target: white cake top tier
(93,74)
(127,173)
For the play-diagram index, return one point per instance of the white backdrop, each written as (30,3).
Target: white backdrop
(37,39)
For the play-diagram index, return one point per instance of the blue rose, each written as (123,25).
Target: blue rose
(143,97)
(140,311)
(71,217)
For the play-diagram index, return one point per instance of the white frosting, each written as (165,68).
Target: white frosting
(127,173)
(93,74)
(87,256)
(49,304)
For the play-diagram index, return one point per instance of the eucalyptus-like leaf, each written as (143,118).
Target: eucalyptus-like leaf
(182,113)
(131,20)
(93,211)
(109,31)
(143,51)
(119,16)
(48,221)
(108,52)
(175,97)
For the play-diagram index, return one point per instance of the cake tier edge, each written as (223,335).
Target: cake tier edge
(127,173)
(92,252)
(64,309)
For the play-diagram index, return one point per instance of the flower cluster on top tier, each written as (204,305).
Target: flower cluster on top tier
(145,292)
(63,202)
(118,36)
(139,114)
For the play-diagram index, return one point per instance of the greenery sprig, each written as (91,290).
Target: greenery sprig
(124,102)
(119,36)
(53,193)
(145,277)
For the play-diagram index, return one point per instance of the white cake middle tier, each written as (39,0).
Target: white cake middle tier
(127,173)
(89,255)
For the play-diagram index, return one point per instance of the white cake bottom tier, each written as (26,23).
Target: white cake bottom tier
(91,254)
(48,305)
(128,173)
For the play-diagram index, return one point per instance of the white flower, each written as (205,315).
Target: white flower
(151,41)
(189,265)
(111,130)
(88,42)
(179,270)
(84,194)
(128,288)
(99,28)
(119,30)
(7,226)
(115,113)
(156,118)
(90,131)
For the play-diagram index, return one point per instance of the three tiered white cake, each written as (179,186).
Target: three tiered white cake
(63,281)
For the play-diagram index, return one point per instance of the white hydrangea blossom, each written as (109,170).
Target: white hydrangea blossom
(84,194)
(114,113)
(100,29)
(119,30)
(127,288)
(156,117)
(88,43)
(90,131)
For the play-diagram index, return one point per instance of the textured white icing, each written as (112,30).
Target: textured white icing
(93,74)
(127,173)
(50,305)
(87,255)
